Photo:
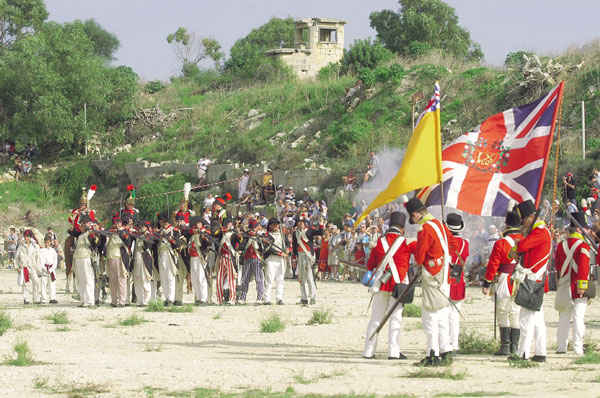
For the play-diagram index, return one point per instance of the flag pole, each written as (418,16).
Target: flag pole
(442,176)
(554,189)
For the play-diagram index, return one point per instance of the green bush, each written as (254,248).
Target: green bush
(338,210)
(473,343)
(382,74)
(411,311)
(154,86)
(330,71)
(71,179)
(58,318)
(133,320)
(5,323)
(272,324)
(367,76)
(149,207)
(24,355)
(365,54)
(321,316)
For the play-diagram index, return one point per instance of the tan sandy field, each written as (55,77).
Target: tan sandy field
(222,348)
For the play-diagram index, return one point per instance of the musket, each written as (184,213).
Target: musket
(146,237)
(397,302)
(263,240)
(588,238)
(107,234)
(353,264)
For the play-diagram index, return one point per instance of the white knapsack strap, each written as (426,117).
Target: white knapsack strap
(390,256)
(444,242)
(569,262)
(305,249)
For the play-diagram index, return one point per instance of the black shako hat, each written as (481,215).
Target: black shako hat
(581,218)
(455,222)
(525,209)
(272,220)
(413,205)
(512,219)
(398,219)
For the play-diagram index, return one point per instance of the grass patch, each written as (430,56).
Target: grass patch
(63,329)
(133,320)
(474,343)
(272,324)
(590,345)
(5,322)
(596,380)
(58,318)
(475,394)
(416,326)
(522,363)
(321,316)
(591,357)
(151,348)
(411,311)
(158,306)
(446,374)
(24,356)
(301,378)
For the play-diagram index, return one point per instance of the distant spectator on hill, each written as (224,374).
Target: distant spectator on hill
(243,184)
(29,151)
(372,167)
(208,201)
(306,197)
(27,165)
(18,167)
(349,181)
(202,167)
(569,186)
(269,192)
(290,195)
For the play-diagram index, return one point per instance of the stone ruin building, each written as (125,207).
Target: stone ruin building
(317,42)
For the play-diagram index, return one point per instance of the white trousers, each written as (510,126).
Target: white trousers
(84,276)
(575,314)
(454,323)
(48,286)
(305,277)
(275,267)
(154,290)
(532,326)
(435,326)
(382,301)
(507,313)
(198,277)
(34,283)
(167,277)
(141,282)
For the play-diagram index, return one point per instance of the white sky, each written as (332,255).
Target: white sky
(499,26)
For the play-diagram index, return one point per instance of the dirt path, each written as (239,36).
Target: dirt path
(222,348)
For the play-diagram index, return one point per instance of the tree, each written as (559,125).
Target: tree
(423,24)
(105,43)
(246,53)
(45,80)
(365,54)
(191,48)
(18,18)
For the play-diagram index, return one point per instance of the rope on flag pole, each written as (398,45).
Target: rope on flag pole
(554,189)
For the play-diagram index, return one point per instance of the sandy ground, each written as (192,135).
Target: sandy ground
(222,348)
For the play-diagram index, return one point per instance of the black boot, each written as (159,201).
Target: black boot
(515,334)
(225,296)
(431,360)
(505,339)
(446,358)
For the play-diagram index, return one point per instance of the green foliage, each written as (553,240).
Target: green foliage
(590,357)
(349,130)
(69,180)
(516,362)
(338,209)
(516,58)
(246,55)
(272,324)
(428,373)
(592,143)
(5,322)
(58,318)
(45,80)
(367,76)
(157,306)
(411,311)
(149,207)
(421,25)
(18,18)
(365,54)
(321,316)
(474,394)
(191,49)
(104,43)
(154,86)
(24,356)
(133,320)
(63,329)
(470,342)
(330,71)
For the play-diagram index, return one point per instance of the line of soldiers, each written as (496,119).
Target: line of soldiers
(186,250)
(516,276)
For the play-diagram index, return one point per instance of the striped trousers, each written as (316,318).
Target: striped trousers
(252,267)
(226,274)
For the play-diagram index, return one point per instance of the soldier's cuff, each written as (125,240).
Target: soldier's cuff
(582,284)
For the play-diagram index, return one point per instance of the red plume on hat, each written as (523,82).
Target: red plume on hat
(228,196)
(91,192)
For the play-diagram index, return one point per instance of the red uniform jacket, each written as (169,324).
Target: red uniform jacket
(429,248)
(76,215)
(401,259)
(536,248)
(582,259)
(499,261)
(458,287)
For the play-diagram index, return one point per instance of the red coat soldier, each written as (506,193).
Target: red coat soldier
(458,258)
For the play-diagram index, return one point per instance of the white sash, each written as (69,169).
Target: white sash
(305,249)
(387,261)
(564,298)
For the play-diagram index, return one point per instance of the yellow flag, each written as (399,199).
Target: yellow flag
(422,163)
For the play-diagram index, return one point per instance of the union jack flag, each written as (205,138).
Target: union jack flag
(504,158)
(433,104)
